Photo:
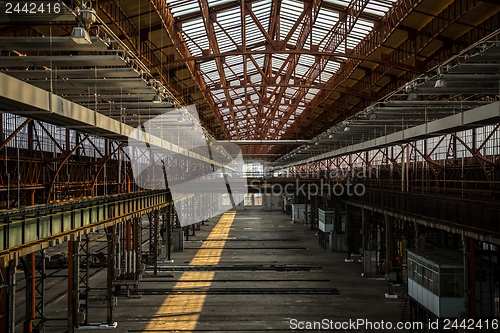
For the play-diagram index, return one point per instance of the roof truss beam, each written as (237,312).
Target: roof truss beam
(307,19)
(414,45)
(174,33)
(338,34)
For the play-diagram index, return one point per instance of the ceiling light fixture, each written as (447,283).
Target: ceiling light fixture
(156,99)
(80,36)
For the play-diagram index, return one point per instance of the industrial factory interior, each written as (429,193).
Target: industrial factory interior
(249,166)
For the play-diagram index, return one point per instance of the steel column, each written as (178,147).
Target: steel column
(169,231)
(33,292)
(137,247)
(365,228)
(469,276)
(389,241)
(127,250)
(111,261)
(83,280)
(73,284)
(156,223)
(3,298)
(151,236)
(39,322)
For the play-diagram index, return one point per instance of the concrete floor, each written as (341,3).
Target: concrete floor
(257,272)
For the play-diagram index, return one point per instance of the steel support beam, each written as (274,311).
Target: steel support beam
(11,297)
(111,238)
(156,224)
(168,216)
(208,21)
(410,49)
(469,252)
(26,100)
(83,280)
(30,291)
(307,19)
(480,234)
(487,114)
(17,226)
(39,322)
(175,35)
(339,33)
(73,284)
(137,246)
(389,241)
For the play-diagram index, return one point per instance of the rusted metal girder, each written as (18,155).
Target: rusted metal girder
(274,32)
(102,162)
(128,31)
(307,19)
(327,55)
(208,22)
(66,154)
(144,48)
(427,157)
(266,71)
(370,44)
(14,133)
(228,5)
(29,169)
(175,36)
(302,86)
(453,175)
(212,10)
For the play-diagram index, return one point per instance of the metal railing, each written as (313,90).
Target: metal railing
(34,225)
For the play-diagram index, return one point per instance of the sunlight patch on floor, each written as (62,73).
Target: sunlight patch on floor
(181,312)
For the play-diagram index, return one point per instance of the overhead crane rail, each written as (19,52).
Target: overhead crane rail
(25,230)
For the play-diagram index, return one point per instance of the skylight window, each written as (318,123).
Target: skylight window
(293,71)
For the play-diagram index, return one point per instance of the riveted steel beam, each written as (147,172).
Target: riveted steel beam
(175,36)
